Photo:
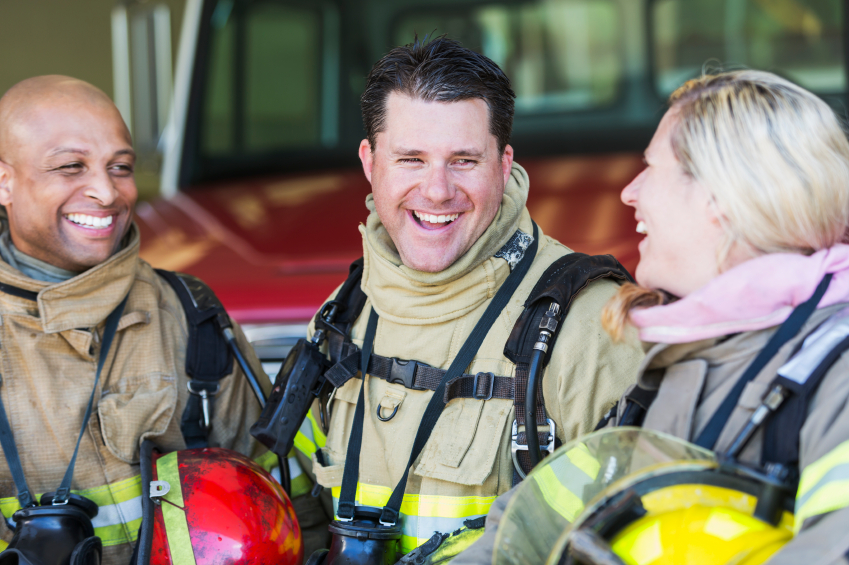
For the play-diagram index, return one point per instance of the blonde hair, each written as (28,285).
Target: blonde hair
(773,156)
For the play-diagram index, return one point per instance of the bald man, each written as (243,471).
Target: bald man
(69,251)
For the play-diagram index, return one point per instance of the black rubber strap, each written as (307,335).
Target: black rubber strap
(7,440)
(437,402)
(710,434)
(14,460)
(348,493)
(109,331)
(463,359)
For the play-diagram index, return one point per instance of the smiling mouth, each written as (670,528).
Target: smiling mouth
(433,221)
(90,222)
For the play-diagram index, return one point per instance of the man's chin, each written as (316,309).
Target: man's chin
(428,262)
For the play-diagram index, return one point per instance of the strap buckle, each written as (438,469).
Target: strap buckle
(205,397)
(516,446)
(404,373)
(488,395)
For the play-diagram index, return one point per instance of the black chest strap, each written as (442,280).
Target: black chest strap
(464,358)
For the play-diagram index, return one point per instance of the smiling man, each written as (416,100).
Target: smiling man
(69,251)
(445,246)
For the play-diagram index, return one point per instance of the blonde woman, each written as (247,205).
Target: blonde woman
(744,203)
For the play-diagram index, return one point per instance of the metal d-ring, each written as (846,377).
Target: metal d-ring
(381,418)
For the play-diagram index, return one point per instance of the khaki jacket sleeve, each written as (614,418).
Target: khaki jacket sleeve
(588,373)
(822,502)
(236,406)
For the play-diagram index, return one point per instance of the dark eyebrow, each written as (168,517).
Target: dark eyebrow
(467,153)
(407,152)
(129,152)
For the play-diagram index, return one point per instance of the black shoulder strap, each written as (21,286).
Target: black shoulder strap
(349,303)
(560,283)
(781,431)
(208,357)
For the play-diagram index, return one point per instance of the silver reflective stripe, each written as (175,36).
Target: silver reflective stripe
(838,473)
(816,347)
(294,470)
(425,526)
(119,513)
(306,429)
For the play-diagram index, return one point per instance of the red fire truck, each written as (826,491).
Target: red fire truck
(263,187)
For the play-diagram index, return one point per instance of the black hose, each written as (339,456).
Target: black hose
(246,368)
(282,463)
(531,431)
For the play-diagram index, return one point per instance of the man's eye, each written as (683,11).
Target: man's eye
(410,160)
(71,167)
(122,169)
(465,162)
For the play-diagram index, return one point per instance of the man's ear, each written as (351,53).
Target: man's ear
(366,157)
(7,176)
(507,162)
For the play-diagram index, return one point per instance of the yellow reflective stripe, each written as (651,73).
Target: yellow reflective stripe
(581,458)
(560,498)
(173,515)
(318,436)
(423,513)
(119,510)
(300,483)
(824,485)
(304,444)
(3,545)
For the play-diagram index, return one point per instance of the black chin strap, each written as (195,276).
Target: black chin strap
(8,442)
(436,404)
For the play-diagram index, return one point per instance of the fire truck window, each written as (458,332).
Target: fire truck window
(560,55)
(264,79)
(801,40)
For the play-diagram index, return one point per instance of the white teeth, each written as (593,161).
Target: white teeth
(90,221)
(641,227)
(430,218)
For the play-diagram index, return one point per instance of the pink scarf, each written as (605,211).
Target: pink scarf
(754,295)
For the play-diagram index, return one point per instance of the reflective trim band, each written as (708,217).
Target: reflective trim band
(173,515)
(422,514)
(309,437)
(119,510)
(580,467)
(300,483)
(318,436)
(824,485)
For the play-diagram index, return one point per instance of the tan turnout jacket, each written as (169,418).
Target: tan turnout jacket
(427,317)
(48,355)
(692,379)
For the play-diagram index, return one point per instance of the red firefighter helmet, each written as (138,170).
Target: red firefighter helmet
(218,506)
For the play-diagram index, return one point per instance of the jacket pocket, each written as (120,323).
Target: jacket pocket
(328,476)
(464,444)
(136,406)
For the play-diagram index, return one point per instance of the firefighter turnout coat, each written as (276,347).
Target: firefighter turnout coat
(467,461)
(48,355)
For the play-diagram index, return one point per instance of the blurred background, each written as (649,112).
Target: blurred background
(245,113)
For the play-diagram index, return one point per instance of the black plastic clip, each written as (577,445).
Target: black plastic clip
(491,387)
(404,373)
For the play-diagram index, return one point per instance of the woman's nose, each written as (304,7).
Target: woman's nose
(630,192)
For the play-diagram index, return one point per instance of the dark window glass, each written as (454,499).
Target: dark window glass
(799,40)
(560,55)
(264,81)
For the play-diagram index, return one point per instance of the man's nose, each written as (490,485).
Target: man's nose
(631,192)
(101,188)
(438,187)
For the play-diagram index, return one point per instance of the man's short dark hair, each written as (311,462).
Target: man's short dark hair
(439,70)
